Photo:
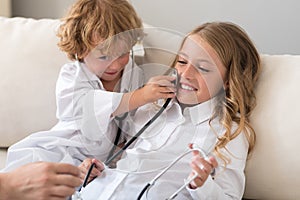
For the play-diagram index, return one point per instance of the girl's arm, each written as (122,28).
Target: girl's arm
(228,182)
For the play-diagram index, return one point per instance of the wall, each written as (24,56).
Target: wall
(272,24)
(5,8)
(40,8)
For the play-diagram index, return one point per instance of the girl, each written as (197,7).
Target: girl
(219,66)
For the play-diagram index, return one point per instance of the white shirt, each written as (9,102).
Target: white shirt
(167,138)
(81,101)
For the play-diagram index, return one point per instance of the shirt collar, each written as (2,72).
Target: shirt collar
(201,112)
(84,74)
(131,78)
(91,76)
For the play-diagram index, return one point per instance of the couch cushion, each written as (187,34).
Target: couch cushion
(160,46)
(273,168)
(29,65)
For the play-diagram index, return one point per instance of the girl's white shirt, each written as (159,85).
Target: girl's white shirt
(167,138)
(85,127)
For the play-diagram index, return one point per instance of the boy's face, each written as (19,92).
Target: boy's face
(107,68)
(202,73)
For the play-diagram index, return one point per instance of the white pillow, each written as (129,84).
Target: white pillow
(29,66)
(273,169)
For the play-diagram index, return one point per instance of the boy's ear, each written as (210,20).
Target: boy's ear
(82,56)
(226,85)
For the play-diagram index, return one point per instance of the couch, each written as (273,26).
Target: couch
(30,62)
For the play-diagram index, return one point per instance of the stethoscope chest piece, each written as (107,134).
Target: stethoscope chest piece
(77,196)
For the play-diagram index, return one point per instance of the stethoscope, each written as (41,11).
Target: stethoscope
(148,186)
(118,118)
(112,155)
(173,72)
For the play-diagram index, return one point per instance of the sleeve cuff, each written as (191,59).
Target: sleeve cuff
(202,192)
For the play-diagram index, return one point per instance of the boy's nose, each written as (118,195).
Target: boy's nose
(119,62)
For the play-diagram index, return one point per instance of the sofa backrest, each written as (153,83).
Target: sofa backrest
(273,169)
(29,65)
(30,62)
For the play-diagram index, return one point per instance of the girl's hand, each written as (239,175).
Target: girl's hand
(203,167)
(85,165)
(158,87)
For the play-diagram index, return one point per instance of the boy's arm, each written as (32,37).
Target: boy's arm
(159,87)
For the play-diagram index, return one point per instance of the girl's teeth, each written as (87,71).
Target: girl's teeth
(185,87)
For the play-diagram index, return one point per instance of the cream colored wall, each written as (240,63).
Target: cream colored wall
(272,24)
(5,8)
(40,8)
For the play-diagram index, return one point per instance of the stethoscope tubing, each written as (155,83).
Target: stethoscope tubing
(109,160)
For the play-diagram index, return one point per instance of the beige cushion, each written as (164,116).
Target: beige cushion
(161,46)
(29,65)
(274,168)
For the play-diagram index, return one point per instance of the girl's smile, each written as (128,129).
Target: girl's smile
(185,87)
(201,71)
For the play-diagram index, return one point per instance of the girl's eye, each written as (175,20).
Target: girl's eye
(182,62)
(202,69)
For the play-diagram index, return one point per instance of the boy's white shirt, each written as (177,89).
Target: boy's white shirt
(167,138)
(77,135)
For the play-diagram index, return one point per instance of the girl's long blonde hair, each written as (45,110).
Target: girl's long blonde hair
(241,59)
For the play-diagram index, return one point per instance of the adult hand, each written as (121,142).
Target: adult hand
(40,180)
(96,171)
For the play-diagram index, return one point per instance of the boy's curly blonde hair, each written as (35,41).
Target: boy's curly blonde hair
(91,22)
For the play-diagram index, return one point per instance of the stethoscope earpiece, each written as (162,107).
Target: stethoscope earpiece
(76,57)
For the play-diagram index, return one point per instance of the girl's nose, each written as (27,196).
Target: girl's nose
(188,71)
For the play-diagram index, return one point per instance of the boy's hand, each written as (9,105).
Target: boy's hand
(84,168)
(158,87)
